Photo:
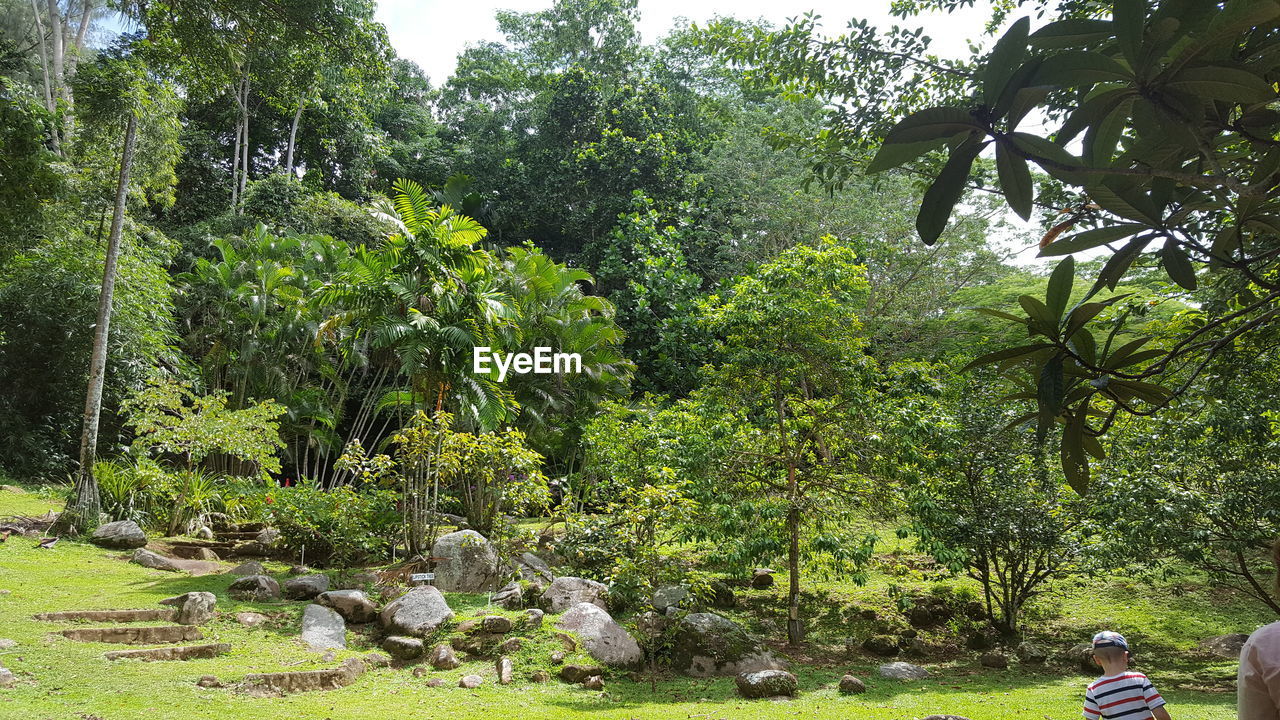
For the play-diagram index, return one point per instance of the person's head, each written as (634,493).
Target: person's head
(1110,649)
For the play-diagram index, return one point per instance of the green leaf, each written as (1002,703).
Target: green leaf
(1073,68)
(1178,266)
(941,197)
(1049,395)
(1118,265)
(1015,179)
(1023,102)
(1046,321)
(1004,61)
(1089,239)
(1095,107)
(1130,203)
(1102,137)
(1002,315)
(1223,83)
(1083,342)
(1075,466)
(1049,156)
(1119,354)
(1005,354)
(936,123)
(891,155)
(1082,314)
(1059,292)
(1130,18)
(1139,357)
(1071,33)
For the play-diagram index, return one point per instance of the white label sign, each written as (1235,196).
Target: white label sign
(419,577)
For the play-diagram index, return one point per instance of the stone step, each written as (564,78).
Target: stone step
(118,616)
(227,537)
(303,680)
(180,652)
(213,545)
(125,635)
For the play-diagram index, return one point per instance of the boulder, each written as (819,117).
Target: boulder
(722,595)
(255,588)
(534,570)
(377,660)
(578,673)
(7,678)
(470,682)
(921,617)
(267,537)
(540,676)
(418,612)
(1031,654)
(595,682)
(209,681)
(1223,646)
(510,596)
(566,592)
(996,660)
(707,644)
(511,646)
(250,619)
(883,645)
(403,648)
(155,561)
(505,670)
(119,535)
(442,657)
(902,671)
(1081,656)
(7,644)
(323,628)
(352,605)
(204,532)
(13,489)
(253,567)
(762,578)
(533,618)
(670,597)
(305,587)
(194,608)
(767,684)
(496,624)
(602,638)
(468,562)
(851,685)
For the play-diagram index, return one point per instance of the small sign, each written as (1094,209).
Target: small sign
(420,577)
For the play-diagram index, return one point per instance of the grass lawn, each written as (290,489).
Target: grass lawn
(60,679)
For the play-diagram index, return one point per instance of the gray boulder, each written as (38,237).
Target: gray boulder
(534,570)
(671,596)
(418,612)
(852,685)
(707,644)
(1031,654)
(443,657)
(566,592)
(533,618)
(253,567)
(255,588)
(119,535)
(602,638)
(305,587)
(1224,646)
(470,682)
(403,648)
(767,684)
(510,597)
(155,561)
(323,628)
(995,660)
(902,671)
(352,605)
(7,678)
(194,608)
(468,562)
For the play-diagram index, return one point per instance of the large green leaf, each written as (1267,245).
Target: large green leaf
(1005,59)
(941,197)
(937,123)
(891,155)
(1005,354)
(1049,156)
(1045,321)
(1130,18)
(1223,83)
(1059,291)
(1015,179)
(1089,239)
(1075,465)
(1049,392)
(1071,33)
(1178,266)
(1073,68)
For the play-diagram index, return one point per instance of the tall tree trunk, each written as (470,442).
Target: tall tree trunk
(293,135)
(244,147)
(49,103)
(81,513)
(794,633)
(59,49)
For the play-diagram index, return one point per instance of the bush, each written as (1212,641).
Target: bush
(338,527)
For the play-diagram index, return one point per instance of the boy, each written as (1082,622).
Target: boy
(1120,693)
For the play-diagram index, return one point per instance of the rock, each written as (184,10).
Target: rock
(469,562)
(602,638)
(467,627)
(921,617)
(470,682)
(204,533)
(565,592)
(723,597)
(353,605)
(505,670)
(443,658)
(250,619)
(578,673)
(1031,654)
(435,682)
(418,612)
(1082,657)
(767,684)
(420,672)
(595,682)
(903,671)
(707,644)
(253,567)
(323,628)
(533,570)
(511,646)
(540,676)
(269,684)
(557,657)
(403,648)
(996,660)
(209,681)
(7,678)
(255,588)
(1224,646)
(533,618)
(194,608)
(195,553)
(6,643)
(13,489)
(119,535)
(762,578)
(850,685)
(267,537)
(884,645)
(916,648)
(148,559)
(305,587)
(496,624)
(510,596)
(568,641)
(671,596)
(377,660)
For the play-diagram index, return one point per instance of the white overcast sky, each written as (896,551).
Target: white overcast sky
(433,32)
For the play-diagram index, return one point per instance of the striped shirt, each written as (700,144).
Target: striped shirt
(1128,695)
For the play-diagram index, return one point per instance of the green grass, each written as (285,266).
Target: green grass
(59,679)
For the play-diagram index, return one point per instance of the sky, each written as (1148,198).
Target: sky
(433,32)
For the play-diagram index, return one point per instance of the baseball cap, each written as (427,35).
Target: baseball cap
(1107,638)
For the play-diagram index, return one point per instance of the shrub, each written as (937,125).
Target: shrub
(338,527)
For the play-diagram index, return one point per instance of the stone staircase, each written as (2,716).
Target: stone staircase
(228,542)
(186,612)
